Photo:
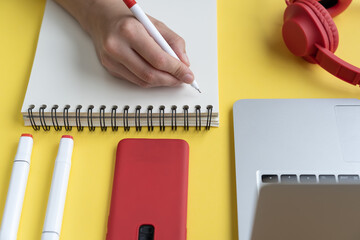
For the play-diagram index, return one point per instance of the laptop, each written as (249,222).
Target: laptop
(307,211)
(292,141)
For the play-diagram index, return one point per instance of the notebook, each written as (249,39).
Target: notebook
(69,87)
(292,141)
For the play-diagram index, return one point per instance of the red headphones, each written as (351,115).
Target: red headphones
(310,32)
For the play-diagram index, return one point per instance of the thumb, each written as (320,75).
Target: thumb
(180,71)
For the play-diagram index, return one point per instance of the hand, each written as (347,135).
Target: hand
(127,51)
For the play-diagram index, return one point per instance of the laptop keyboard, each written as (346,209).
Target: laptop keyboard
(310,178)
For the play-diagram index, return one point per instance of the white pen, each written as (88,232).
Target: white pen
(59,184)
(16,192)
(153,32)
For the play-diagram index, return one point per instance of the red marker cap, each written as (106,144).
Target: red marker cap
(67,136)
(26,135)
(130,3)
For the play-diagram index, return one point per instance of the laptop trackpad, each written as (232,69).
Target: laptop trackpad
(348,123)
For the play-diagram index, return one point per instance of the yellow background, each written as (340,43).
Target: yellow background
(253,63)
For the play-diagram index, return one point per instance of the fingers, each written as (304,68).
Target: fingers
(120,71)
(159,59)
(136,70)
(176,42)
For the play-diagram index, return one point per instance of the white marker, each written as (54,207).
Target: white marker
(153,32)
(59,184)
(16,192)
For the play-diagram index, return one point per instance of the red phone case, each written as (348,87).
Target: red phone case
(150,188)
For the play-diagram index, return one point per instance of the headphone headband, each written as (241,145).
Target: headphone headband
(336,66)
(334,7)
(337,8)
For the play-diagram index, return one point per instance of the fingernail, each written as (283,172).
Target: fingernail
(186,59)
(188,78)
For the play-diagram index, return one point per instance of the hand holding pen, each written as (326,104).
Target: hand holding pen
(126,49)
(153,32)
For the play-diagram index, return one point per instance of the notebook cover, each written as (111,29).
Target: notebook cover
(150,188)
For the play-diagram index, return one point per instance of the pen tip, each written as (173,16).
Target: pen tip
(198,90)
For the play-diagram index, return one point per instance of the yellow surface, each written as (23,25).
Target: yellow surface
(253,63)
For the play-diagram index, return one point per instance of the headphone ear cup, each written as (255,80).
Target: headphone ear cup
(302,30)
(306,23)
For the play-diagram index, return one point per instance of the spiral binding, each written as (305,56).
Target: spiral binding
(126,119)
(162,118)
(42,118)
(198,117)
(208,118)
(137,119)
(114,119)
(77,119)
(103,126)
(53,113)
(66,118)
(186,117)
(173,118)
(32,120)
(149,119)
(90,119)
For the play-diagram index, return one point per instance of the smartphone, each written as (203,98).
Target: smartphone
(149,196)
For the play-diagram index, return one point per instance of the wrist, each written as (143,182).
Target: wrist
(101,14)
(90,15)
